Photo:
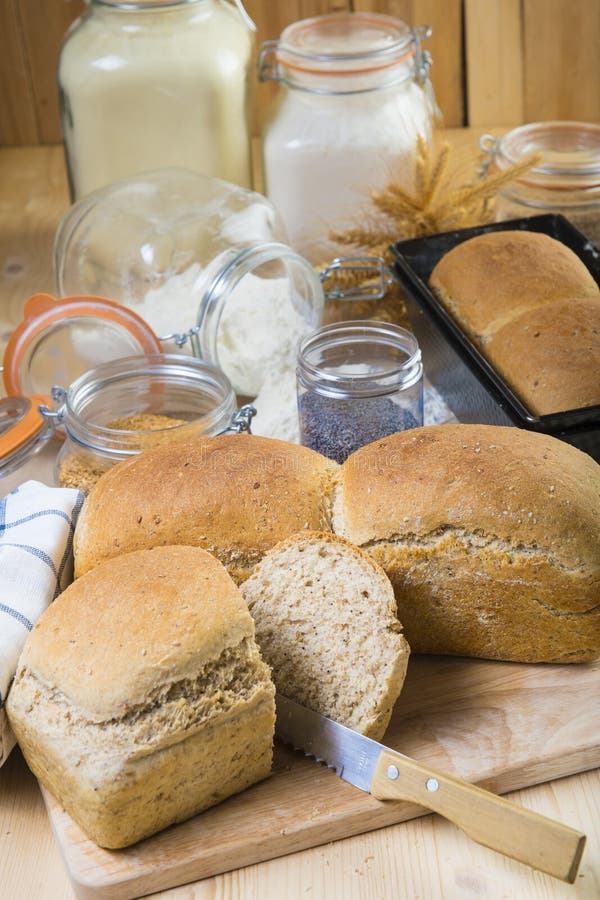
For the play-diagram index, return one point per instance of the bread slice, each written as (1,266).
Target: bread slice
(326,623)
(141,697)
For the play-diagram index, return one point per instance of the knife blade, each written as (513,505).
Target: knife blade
(486,818)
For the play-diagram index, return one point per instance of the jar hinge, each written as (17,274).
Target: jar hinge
(241,420)
(54,417)
(422,57)
(369,266)
(180,339)
(268,67)
(490,145)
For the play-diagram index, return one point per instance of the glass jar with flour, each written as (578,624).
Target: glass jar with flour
(149,83)
(206,264)
(355,96)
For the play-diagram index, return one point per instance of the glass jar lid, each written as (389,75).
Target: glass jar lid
(570,153)
(345,42)
(23,431)
(368,50)
(59,339)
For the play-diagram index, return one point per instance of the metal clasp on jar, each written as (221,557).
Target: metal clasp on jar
(268,67)
(422,57)
(491,147)
(373,267)
(55,417)
(241,420)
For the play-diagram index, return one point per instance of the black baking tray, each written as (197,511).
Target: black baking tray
(470,386)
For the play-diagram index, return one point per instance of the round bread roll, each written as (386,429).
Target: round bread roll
(489,535)
(550,356)
(235,495)
(141,697)
(490,279)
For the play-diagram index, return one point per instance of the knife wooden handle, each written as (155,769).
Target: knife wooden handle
(486,818)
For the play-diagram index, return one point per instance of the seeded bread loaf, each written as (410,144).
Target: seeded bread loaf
(235,495)
(141,697)
(489,535)
(326,623)
(490,279)
(557,347)
(532,308)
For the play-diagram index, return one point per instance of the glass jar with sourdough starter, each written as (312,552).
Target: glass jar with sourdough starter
(566,180)
(149,83)
(355,96)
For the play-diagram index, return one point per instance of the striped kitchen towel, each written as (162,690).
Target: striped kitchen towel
(36,564)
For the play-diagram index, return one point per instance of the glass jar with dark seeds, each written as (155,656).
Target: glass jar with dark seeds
(357,381)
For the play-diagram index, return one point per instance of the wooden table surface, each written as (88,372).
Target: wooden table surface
(426,858)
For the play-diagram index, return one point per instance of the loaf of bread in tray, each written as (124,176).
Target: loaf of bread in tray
(489,535)
(550,355)
(326,623)
(141,697)
(531,307)
(490,279)
(235,495)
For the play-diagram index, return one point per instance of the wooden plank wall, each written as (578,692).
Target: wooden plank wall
(495,61)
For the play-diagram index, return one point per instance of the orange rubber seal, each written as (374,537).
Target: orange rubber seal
(27,426)
(42,310)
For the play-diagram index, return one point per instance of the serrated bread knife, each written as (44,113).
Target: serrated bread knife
(388,775)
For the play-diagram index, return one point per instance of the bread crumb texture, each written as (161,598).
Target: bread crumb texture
(141,697)
(326,623)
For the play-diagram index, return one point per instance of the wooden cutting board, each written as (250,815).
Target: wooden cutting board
(502,725)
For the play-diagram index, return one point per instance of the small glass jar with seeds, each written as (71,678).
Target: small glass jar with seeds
(357,381)
(125,406)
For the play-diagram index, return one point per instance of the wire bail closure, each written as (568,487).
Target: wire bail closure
(370,266)
(422,57)
(241,420)
(267,65)
(54,417)
(490,145)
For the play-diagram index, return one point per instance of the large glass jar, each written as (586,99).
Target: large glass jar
(205,264)
(566,179)
(355,96)
(151,83)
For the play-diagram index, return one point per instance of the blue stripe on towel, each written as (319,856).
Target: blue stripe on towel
(35,551)
(69,544)
(15,614)
(4,526)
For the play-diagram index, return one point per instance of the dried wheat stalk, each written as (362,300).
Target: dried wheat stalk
(437,204)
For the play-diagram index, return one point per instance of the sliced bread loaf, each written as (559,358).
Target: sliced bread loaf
(326,623)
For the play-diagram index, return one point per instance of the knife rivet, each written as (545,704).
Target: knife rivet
(432,785)
(392,773)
